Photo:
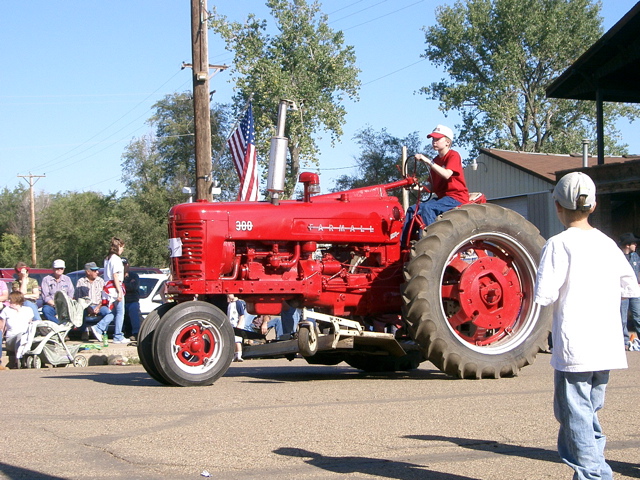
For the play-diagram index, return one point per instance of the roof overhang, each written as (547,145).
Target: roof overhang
(609,69)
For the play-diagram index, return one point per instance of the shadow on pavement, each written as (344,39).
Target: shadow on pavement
(623,468)
(132,379)
(307,373)
(370,466)
(13,472)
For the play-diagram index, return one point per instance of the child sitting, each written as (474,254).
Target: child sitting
(15,320)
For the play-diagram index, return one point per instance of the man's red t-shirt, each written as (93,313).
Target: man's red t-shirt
(455,186)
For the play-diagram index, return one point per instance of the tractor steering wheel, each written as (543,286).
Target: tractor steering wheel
(422,172)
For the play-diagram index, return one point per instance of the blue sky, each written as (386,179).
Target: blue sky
(79,78)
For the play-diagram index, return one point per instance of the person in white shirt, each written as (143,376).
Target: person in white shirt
(15,319)
(584,275)
(236,314)
(113,294)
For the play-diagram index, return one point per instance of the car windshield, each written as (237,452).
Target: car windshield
(146,286)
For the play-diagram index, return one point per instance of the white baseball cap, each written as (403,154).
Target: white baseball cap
(58,263)
(571,187)
(441,131)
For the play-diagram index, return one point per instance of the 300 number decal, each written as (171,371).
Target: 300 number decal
(244,226)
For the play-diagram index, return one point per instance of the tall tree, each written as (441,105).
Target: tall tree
(169,156)
(380,160)
(500,55)
(76,227)
(15,222)
(307,62)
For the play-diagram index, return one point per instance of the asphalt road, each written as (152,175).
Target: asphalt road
(274,419)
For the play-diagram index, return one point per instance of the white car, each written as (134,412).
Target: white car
(151,284)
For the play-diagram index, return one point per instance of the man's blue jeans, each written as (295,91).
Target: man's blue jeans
(108,316)
(577,398)
(49,313)
(634,305)
(132,313)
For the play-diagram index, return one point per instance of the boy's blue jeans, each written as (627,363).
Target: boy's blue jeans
(577,398)
(429,211)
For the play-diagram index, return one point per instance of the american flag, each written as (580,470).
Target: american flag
(243,151)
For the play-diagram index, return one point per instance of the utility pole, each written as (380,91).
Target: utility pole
(31,183)
(201,109)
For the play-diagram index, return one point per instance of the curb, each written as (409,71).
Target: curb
(96,354)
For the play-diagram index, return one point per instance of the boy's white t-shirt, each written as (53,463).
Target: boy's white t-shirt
(17,321)
(586,275)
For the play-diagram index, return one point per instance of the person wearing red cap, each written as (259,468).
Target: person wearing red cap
(447,180)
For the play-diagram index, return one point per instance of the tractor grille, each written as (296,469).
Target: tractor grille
(191,264)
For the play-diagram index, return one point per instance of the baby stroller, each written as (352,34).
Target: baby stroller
(46,339)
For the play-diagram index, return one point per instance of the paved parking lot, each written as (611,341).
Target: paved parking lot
(274,419)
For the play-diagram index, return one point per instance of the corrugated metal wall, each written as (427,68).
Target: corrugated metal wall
(518,190)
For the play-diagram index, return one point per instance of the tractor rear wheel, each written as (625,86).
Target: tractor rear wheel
(193,345)
(468,293)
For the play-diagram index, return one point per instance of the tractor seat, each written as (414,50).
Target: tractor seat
(477,197)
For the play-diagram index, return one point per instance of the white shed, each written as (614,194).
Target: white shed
(524,181)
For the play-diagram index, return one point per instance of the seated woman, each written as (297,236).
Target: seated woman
(29,288)
(447,181)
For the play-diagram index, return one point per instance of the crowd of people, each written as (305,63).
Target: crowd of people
(112,298)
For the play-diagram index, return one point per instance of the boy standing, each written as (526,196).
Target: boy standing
(584,274)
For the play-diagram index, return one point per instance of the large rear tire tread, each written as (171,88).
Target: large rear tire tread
(519,242)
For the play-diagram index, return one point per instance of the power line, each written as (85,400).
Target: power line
(66,154)
(359,11)
(395,71)
(382,16)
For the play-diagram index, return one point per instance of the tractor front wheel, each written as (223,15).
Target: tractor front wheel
(193,345)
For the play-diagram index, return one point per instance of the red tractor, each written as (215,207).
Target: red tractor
(462,293)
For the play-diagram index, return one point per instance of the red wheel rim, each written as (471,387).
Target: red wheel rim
(194,345)
(482,293)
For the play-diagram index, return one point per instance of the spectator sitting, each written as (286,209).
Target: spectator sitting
(261,324)
(131,302)
(50,285)
(290,317)
(15,320)
(90,286)
(28,286)
(4,295)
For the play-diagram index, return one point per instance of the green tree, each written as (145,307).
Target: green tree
(380,160)
(500,55)
(168,157)
(307,62)
(76,227)
(15,211)
(13,249)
